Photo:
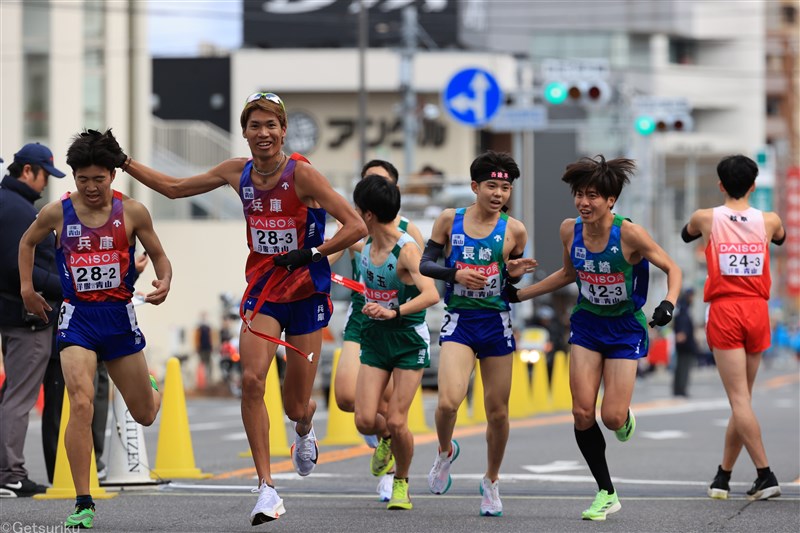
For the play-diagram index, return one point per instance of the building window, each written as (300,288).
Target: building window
(682,51)
(773,106)
(36,69)
(789,14)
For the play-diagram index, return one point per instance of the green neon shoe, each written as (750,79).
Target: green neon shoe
(400,499)
(382,458)
(153,382)
(626,431)
(604,504)
(82,519)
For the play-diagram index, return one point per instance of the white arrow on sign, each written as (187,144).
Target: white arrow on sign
(477,104)
(555,466)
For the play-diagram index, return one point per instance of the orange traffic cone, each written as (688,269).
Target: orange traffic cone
(63,487)
(201,376)
(40,400)
(175,454)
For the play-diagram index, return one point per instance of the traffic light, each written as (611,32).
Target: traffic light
(647,124)
(588,93)
(555,93)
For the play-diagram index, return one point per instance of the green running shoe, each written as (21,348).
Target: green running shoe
(81,518)
(400,499)
(604,504)
(626,431)
(382,458)
(153,382)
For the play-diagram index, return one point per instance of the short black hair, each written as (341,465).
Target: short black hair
(91,147)
(490,161)
(390,168)
(374,193)
(15,169)
(737,174)
(607,177)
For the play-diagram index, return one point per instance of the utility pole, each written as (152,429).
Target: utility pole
(363,37)
(406,86)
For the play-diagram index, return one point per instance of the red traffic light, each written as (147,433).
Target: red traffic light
(594,92)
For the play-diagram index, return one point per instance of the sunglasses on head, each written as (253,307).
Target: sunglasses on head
(272,97)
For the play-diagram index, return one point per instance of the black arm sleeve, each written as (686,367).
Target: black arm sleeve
(518,278)
(429,267)
(688,237)
(779,241)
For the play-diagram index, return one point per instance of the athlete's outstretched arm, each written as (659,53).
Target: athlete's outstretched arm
(561,277)
(226,173)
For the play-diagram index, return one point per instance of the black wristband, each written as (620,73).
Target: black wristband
(397,313)
(780,241)
(688,237)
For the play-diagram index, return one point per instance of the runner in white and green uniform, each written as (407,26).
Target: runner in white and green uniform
(348,365)
(395,339)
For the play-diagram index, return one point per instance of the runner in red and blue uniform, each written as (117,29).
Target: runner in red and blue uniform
(285,202)
(96,231)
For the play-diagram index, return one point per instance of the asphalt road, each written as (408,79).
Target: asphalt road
(661,474)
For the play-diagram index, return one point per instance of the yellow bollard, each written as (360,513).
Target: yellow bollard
(175,454)
(63,487)
(478,406)
(416,415)
(540,390)
(519,399)
(273,399)
(562,397)
(341,429)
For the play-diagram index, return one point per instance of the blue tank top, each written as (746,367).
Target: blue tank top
(484,255)
(607,284)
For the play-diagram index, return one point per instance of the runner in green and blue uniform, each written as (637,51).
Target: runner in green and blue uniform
(483,248)
(608,257)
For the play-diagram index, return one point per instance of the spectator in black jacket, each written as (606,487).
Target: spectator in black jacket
(685,344)
(26,340)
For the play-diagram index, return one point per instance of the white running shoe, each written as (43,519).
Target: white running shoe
(439,479)
(490,498)
(304,453)
(385,487)
(268,507)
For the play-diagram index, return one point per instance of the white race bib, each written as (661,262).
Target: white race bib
(741,259)
(388,299)
(493,281)
(272,235)
(603,289)
(95,271)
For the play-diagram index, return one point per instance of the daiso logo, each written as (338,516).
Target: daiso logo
(487,270)
(379,295)
(99,258)
(741,248)
(271,223)
(601,279)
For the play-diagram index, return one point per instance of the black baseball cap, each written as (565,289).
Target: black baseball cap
(38,154)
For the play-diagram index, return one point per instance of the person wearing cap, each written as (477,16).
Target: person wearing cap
(27,340)
(285,202)
(483,250)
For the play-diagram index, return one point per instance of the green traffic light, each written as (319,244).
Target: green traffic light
(645,125)
(555,93)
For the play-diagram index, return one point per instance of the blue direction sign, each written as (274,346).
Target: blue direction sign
(472,97)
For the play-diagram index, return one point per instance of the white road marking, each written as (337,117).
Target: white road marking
(555,466)
(664,434)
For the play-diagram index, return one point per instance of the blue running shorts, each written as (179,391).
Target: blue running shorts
(614,337)
(107,328)
(300,317)
(487,332)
